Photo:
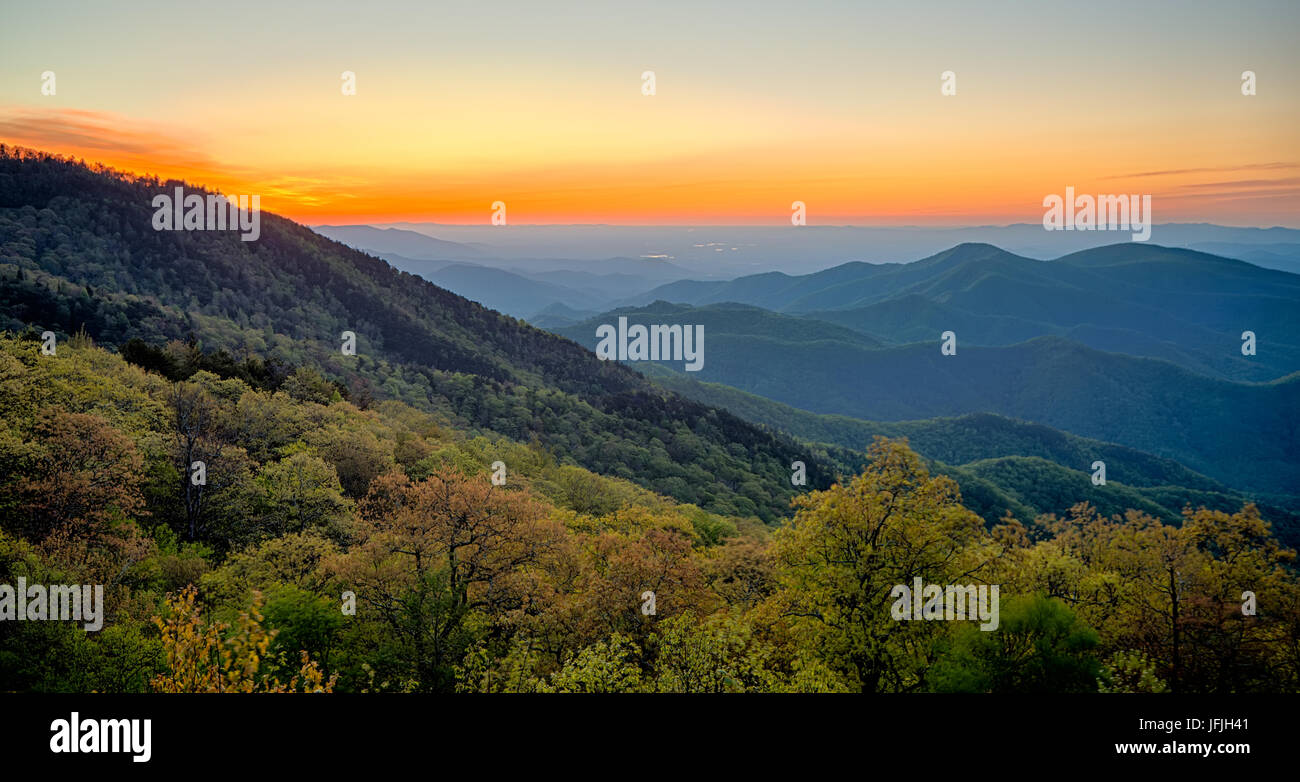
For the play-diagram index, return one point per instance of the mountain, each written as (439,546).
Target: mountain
(608,286)
(1283,255)
(78,253)
(958,440)
(518,292)
(993,460)
(506,292)
(396,241)
(1048,487)
(1143,271)
(839,287)
(557,316)
(1244,434)
(736,320)
(518,287)
(1144,300)
(423,267)
(728,251)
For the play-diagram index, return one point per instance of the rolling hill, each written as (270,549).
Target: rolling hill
(738,320)
(1006,465)
(78,253)
(507,292)
(1243,434)
(398,242)
(1144,300)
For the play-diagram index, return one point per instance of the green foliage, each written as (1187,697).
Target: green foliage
(301,493)
(955,446)
(714,656)
(1130,672)
(602,667)
(846,549)
(1040,646)
(308,385)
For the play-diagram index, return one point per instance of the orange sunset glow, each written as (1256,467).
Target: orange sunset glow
(734,131)
(917,181)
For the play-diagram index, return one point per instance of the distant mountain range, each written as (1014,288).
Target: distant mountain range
(728,251)
(1144,300)
(519,287)
(509,292)
(1009,314)
(1045,341)
(585,280)
(398,242)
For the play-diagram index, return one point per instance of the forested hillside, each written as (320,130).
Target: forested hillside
(1058,462)
(1242,434)
(313,504)
(77,251)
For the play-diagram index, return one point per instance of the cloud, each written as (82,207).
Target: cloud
(1273,193)
(104,136)
(1172,172)
(167,152)
(1247,183)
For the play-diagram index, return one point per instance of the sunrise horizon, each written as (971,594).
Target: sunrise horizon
(866,116)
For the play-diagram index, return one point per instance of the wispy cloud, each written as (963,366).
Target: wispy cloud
(1247,183)
(1264,193)
(152,149)
(102,134)
(1213,170)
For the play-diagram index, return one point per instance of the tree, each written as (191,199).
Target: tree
(849,546)
(602,667)
(295,559)
(1040,646)
(301,493)
(614,571)
(1227,649)
(357,455)
(79,495)
(716,655)
(433,554)
(193,414)
(205,656)
(1130,672)
(82,475)
(306,384)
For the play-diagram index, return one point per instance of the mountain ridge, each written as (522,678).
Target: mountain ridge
(1146,403)
(77,252)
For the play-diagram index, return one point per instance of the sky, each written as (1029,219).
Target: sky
(757,105)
